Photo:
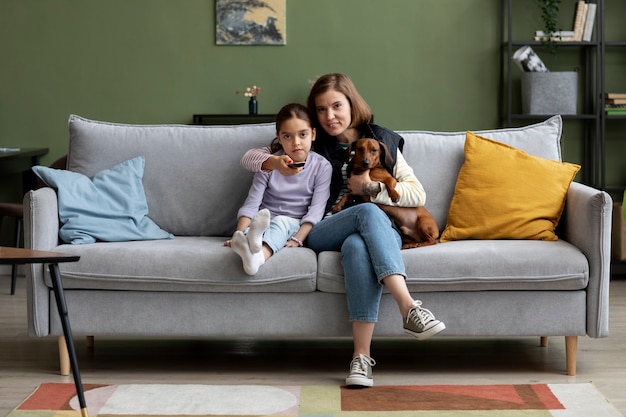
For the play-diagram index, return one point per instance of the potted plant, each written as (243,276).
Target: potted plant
(549,15)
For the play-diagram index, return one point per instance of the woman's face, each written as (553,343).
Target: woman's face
(333,111)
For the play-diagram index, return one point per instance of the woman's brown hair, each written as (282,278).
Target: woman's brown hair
(361,112)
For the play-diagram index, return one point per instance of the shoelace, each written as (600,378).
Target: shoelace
(359,364)
(418,313)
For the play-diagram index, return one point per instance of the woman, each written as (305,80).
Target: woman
(369,245)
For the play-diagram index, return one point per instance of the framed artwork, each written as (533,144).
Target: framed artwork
(250,22)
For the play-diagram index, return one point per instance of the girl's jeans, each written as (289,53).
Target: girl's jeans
(370,251)
(281,228)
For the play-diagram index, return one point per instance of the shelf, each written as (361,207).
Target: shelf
(592,72)
(540,44)
(545,116)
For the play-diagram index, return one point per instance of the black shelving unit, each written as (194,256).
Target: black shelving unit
(605,45)
(592,116)
(592,76)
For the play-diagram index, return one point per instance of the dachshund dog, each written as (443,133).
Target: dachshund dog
(369,154)
(417,226)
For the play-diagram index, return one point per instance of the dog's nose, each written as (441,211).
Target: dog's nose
(366,162)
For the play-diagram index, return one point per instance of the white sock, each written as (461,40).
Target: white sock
(251,261)
(260,222)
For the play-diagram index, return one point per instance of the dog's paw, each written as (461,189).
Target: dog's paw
(393,194)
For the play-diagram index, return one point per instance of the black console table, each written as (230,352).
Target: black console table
(20,161)
(232,119)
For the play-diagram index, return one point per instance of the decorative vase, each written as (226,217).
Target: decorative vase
(253,105)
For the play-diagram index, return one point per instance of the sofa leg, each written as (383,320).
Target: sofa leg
(543,342)
(64,356)
(89,342)
(571,346)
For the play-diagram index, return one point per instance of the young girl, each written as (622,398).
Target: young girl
(280,211)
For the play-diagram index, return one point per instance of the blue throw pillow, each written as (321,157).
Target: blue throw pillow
(109,207)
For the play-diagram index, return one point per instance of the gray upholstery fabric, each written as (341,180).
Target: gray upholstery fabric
(317,314)
(436,157)
(480,265)
(193,286)
(193,180)
(200,264)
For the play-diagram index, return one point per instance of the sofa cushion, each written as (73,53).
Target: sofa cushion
(111,206)
(436,157)
(184,264)
(480,265)
(194,182)
(504,193)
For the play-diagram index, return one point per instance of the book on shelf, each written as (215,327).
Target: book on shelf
(556,36)
(618,109)
(561,33)
(590,20)
(615,101)
(579,19)
(615,95)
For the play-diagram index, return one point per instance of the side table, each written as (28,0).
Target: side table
(27,256)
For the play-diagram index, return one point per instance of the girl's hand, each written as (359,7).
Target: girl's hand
(280,164)
(227,243)
(291,244)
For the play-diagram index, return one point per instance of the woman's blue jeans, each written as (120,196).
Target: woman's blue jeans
(370,251)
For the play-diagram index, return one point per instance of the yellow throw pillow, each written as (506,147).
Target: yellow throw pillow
(504,193)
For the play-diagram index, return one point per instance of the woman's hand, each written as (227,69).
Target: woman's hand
(358,183)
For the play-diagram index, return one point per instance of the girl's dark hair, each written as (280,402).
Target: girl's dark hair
(361,112)
(288,112)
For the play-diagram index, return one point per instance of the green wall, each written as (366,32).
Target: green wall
(421,64)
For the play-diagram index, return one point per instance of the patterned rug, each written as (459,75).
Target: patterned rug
(535,400)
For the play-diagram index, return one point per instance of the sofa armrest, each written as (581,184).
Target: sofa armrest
(41,232)
(587,225)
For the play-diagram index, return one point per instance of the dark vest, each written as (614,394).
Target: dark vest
(329,148)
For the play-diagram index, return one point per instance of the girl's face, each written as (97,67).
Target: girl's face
(296,137)
(333,111)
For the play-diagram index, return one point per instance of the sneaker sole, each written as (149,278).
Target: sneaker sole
(359,382)
(428,333)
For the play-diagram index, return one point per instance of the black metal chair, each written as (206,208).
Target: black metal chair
(16,211)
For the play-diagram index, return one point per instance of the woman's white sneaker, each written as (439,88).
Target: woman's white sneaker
(421,323)
(361,372)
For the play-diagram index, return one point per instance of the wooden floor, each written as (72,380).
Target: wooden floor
(26,362)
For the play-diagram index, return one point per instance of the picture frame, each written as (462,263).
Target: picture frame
(250,22)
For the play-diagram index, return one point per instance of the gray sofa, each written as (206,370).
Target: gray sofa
(192,285)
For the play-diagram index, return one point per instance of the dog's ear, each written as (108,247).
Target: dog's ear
(385,155)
